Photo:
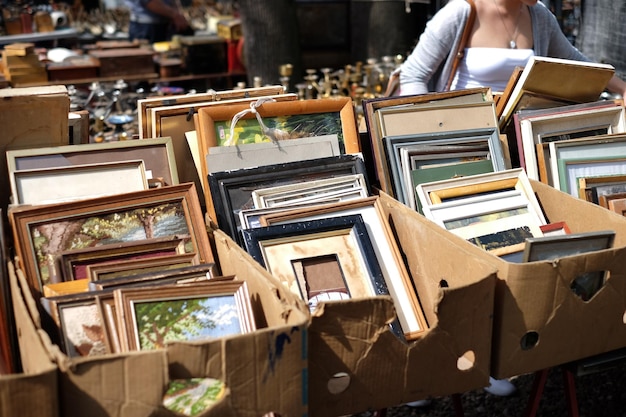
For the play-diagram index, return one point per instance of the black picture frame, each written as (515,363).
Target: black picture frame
(231,191)
(254,238)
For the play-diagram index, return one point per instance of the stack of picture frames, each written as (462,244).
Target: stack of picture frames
(334,251)
(431,137)
(497,211)
(536,129)
(268,135)
(128,271)
(174,116)
(298,164)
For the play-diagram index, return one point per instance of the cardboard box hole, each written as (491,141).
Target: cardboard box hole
(588,284)
(466,361)
(338,383)
(529,340)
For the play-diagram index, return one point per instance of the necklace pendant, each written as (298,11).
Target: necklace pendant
(512,44)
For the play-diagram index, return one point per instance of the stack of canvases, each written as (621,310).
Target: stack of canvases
(128,265)
(287,181)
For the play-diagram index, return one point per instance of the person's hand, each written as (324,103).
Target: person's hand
(179,22)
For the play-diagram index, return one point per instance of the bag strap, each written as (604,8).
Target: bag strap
(469,25)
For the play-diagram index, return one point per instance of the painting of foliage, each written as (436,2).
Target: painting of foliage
(138,224)
(297,126)
(184,319)
(192,396)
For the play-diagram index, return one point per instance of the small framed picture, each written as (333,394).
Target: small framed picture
(150,317)
(553,247)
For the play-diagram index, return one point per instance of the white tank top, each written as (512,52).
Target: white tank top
(489,67)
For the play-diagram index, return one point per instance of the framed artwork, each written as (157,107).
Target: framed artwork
(444,172)
(157,155)
(120,268)
(231,191)
(566,123)
(471,138)
(555,229)
(372,106)
(41,233)
(182,274)
(499,223)
(486,185)
(618,205)
(554,247)
(593,189)
(74,263)
(144,105)
(603,200)
(343,187)
(399,283)
(585,157)
(151,317)
(80,323)
(55,185)
(320,260)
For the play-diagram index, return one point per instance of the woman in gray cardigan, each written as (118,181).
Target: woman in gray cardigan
(505,34)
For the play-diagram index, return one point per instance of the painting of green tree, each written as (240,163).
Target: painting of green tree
(183,319)
(49,239)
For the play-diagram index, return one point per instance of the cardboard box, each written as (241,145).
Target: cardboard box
(35,391)
(356,363)
(263,371)
(538,320)
(534,300)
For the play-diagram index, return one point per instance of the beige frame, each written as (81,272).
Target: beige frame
(56,185)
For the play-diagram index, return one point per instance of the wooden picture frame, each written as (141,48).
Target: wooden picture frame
(231,191)
(80,323)
(56,185)
(116,269)
(554,247)
(216,309)
(603,200)
(618,205)
(555,229)
(143,105)
(566,123)
(157,154)
(299,118)
(340,246)
(436,192)
(181,275)
(594,188)
(34,226)
(408,307)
